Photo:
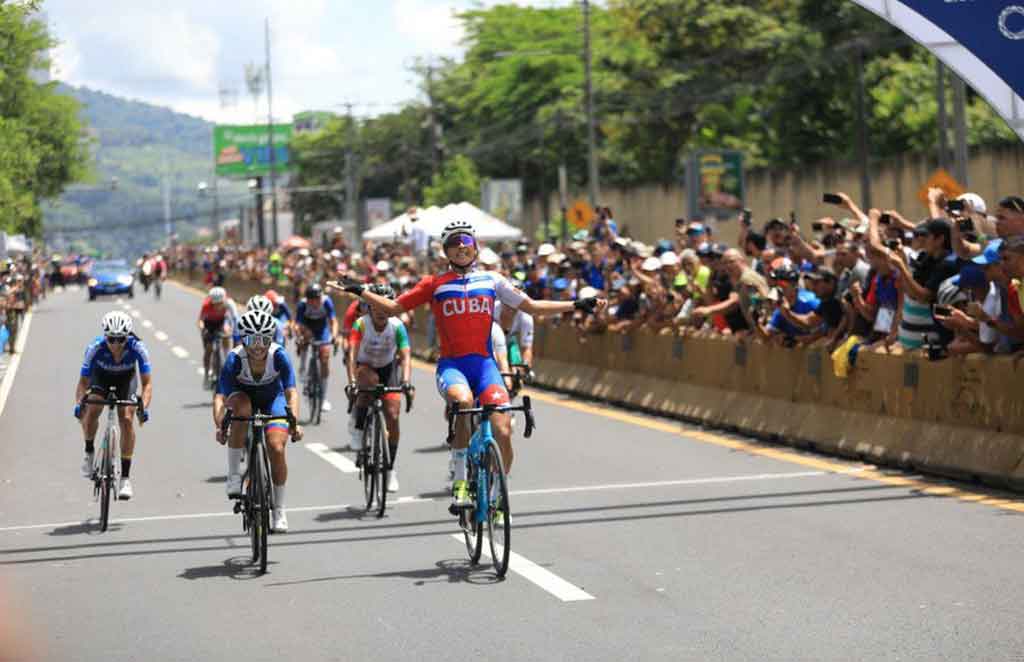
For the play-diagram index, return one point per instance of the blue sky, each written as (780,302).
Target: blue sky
(180,53)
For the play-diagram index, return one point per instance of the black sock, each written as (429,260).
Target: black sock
(126,466)
(361,417)
(393,451)
(90,446)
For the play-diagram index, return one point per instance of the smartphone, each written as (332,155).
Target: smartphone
(944,311)
(831,199)
(848,297)
(746,217)
(955,205)
(965,225)
(817,227)
(886,219)
(892,244)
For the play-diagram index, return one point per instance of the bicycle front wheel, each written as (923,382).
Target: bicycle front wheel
(266,507)
(369,461)
(472,529)
(381,459)
(499,523)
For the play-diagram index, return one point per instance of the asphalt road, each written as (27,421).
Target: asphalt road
(638,538)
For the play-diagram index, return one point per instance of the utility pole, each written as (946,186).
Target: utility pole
(940,91)
(960,129)
(270,137)
(435,127)
(351,210)
(862,133)
(588,95)
(563,179)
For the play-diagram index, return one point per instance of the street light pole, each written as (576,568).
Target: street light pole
(588,94)
(270,133)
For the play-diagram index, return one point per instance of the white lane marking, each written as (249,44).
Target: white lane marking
(200,372)
(126,306)
(136,314)
(543,578)
(12,368)
(119,300)
(180,352)
(147,324)
(161,336)
(410,499)
(337,460)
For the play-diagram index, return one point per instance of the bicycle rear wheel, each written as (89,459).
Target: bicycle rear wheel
(472,530)
(215,363)
(266,505)
(499,523)
(315,396)
(369,461)
(108,476)
(380,456)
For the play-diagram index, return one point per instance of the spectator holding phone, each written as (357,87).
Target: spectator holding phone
(794,303)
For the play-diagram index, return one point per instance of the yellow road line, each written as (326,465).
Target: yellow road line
(187,288)
(923,485)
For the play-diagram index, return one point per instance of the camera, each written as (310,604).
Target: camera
(886,219)
(955,206)
(745,217)
(892,244)
(831,199)
(965,225)
(848,297)
(817,227)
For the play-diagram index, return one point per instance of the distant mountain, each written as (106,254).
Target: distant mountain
(138,144)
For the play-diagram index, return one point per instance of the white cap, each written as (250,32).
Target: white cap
(489,257)
(669,259)
(976,201)
(555,258)
(336,254)
(587,292)
(338,230)
(651,264)
(383,265)
(545,249)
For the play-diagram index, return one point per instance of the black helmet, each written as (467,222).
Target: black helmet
(314,291)
(384,290)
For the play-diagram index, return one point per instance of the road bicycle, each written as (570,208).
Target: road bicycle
(216,359)
(374,460)
(488,489)
(314,388)
(521,375)
(256,503)
(106,470)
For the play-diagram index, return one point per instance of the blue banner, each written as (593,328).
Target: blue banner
(992,30)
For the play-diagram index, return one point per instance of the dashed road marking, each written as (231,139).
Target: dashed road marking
(545,579)
(161,336)
(180,352)
(147,324)
(337,460)
(12,368)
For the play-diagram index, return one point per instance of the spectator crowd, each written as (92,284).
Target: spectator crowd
(944,285)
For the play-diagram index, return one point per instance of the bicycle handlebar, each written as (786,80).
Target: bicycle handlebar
(229,418)
(486,410)
(112,402)
(379,391)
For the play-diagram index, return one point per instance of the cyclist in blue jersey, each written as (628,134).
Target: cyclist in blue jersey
(282,313)
(258,375)
(114,359)
(316,323)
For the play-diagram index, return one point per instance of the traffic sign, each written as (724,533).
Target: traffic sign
(580,215)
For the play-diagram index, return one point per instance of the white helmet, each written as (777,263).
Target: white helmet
(218,294)
(257,323)
(260,302)
(117,323)
(457,227)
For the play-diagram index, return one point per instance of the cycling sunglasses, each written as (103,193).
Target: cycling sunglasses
(257,341)
(117,340)
(460,240)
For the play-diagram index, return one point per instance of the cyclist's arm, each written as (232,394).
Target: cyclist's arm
(292,396)
(526,352)
(541,308)
(355,336)
(218,410)
(405,352)
(147,389)
(81,389)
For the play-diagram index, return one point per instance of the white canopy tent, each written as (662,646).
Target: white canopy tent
(434,219)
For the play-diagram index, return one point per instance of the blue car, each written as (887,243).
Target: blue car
(111,277)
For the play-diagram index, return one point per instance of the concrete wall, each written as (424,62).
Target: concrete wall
(648,211)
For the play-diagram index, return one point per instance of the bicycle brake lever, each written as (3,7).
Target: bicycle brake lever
(528,413)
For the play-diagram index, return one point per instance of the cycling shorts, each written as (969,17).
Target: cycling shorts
(387,376)
(320,336)
(273,406)
(126,384)
(479,373)
(212,329)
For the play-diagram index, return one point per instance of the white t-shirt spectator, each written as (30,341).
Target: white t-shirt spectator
(988,334)
(420,238)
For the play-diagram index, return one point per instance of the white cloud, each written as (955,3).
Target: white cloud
(433,27)
(65,60)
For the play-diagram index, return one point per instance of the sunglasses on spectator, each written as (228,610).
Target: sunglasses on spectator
(1013,202)
(257,341)
(463,240)
(117,340)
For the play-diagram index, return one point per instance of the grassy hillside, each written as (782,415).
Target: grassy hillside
(138,144)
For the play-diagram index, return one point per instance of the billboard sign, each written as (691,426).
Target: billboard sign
(378,210)
(243,151)
(715,183)
(503,199)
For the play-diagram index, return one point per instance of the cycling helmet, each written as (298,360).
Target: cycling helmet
(314,291)
(457,227)
(218,295)
(260,302)
(384,290)
(257,323)
(117,323)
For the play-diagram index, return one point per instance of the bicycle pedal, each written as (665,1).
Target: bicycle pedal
(457,510)
(238,507)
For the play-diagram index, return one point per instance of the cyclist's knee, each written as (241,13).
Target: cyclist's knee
(240,404)
(460,395)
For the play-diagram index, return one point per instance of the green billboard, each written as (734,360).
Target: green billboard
(244,150)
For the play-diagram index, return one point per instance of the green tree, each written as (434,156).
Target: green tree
(41,149)
(458,181)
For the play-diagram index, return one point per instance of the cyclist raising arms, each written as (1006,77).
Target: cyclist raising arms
(316,323)
(374,343)
(258,376)
(216,316)
(111,360)
(463,304)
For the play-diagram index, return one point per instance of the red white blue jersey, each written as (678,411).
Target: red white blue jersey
(463,307)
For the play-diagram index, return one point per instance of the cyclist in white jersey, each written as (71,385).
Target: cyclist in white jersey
(518,327)
(379,353)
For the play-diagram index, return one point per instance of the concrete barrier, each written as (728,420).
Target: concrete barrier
(962,418)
